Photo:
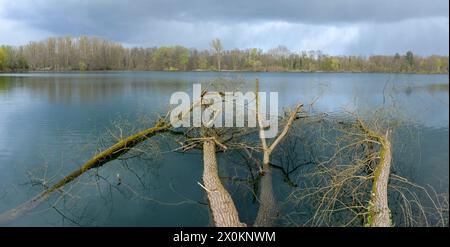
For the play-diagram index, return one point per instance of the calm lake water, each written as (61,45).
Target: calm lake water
(50,123)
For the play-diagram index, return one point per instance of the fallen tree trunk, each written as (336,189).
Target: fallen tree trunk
(379,209)
(98,160)
(379,213)
(268,210)
(223,210)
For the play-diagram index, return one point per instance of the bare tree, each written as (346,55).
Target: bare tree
(268,209)
(217,46)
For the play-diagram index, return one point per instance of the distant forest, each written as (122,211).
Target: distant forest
(93,53)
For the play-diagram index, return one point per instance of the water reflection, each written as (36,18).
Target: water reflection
(330,92)
(79,90)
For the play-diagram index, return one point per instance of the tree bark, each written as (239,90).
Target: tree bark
(223,210)
(379,213)
(379,208)
(268,210)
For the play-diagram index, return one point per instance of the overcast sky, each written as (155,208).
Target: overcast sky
(361,27)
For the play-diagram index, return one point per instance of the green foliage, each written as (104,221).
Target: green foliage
(10,59)
(331,64)
(184,58)
(92,53)
(2,58)
(22,63)
(82,66)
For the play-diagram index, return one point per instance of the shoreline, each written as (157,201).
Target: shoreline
(215,71)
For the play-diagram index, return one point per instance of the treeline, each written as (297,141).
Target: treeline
(92,53)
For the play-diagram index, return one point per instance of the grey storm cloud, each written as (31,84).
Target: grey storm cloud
(345,26)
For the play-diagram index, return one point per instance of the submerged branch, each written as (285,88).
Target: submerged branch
(112,153)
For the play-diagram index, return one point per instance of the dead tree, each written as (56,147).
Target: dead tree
(111,153)
(267,211)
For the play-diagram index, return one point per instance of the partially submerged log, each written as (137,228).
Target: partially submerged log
(268,209)
(379,209)
(98,160)
(379,213)
(223,210)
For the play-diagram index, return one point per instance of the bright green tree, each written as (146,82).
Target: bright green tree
(2,58)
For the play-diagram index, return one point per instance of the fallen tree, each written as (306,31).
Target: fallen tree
(346,174)
(223,210)
(111,153)
(379,213)
(118,149)
(268,211)
(348,184)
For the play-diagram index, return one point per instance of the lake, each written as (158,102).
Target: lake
(50,123)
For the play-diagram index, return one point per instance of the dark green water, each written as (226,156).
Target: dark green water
(51,122)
